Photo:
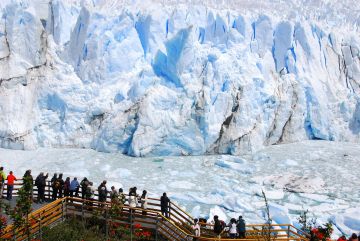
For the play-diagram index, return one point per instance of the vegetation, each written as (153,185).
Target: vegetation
(75,230)
(19,214)
(317,232)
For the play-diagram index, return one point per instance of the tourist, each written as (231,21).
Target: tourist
(102,191)
(241,227)
(10,185)
(84,187)
(54,187)
(353,237)
(132,198)
(67,187)
(74,187)
(60,185)
(342,238)
(134,190)
(165,204)
(28,182)
(40,183)
(196,228)
(2,180)
(144,202)
(90,193)
(232,228)
(122,197)
(217,226)
(113,194)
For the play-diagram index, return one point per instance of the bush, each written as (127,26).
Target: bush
(75,230)
(71,230)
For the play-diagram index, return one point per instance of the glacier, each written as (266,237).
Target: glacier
(155,78)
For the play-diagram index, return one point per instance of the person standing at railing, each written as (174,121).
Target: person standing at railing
(84,187)
(342,238)
(28,183)
(241,227)
(218,227)
(232,228)
(196,228)
(165,204)
(2,180)
(74,187)
(62,183)
(132,201)
(353,237)
(122,197)
(67,187)
(113,194)
(10,185)
(102,191)
(54,187)
(144,202)
(40,183)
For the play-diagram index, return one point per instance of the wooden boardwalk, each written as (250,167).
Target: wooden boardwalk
(177,227)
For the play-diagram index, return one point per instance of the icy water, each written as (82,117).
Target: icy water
(319,176)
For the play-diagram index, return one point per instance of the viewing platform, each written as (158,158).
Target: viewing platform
(176,227)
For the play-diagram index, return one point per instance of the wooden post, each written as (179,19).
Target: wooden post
(48,188)
(40,231)
(157,226)
(288,232)
(131,225)
(106,224)
(66,209)
(82,212)
(62,210)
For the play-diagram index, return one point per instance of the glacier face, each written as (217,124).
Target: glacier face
(146,79)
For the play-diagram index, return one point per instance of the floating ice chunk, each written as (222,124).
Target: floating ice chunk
(219,212)
(274,194)
(195,212)
(294,183)
(238,166)
(182,185)
(279,214)
(290,162)
(316,197)
(122,172)
(294,207)
(327,207)
(349,222)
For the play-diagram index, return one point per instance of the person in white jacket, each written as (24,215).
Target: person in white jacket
(132,200)
(196,228)
(144,202)
(232,228)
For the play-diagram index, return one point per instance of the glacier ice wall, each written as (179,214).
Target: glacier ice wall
(148,79)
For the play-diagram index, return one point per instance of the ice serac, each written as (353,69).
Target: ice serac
(149,80)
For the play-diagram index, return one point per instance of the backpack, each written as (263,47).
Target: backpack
(57,184)
(222,224)
(37,181)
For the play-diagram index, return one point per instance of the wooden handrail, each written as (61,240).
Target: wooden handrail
(52,212)
(177,216)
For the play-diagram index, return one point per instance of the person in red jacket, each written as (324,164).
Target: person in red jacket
(342,238)
(10,185)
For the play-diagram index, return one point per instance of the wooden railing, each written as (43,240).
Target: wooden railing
(45,216)
(177,227)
